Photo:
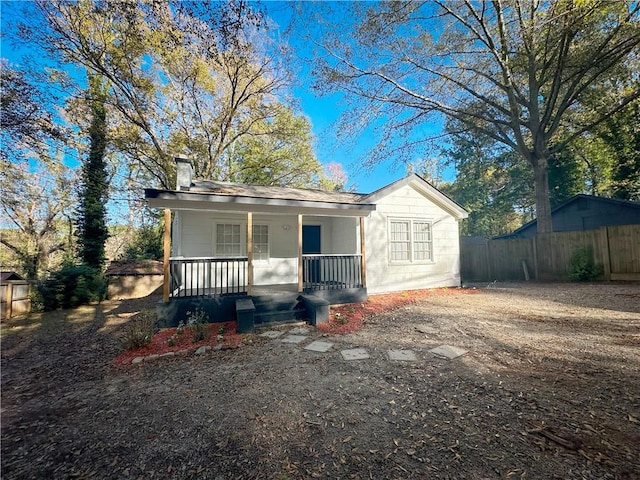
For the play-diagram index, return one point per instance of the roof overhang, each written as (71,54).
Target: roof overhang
(176,200)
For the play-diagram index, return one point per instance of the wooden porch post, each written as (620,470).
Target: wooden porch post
(299,252)
(167,254)
(249,252)
(363,253)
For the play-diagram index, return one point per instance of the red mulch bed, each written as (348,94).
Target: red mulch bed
(343,319)
(349,318)
(160,342)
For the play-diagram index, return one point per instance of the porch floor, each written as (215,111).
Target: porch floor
(281,289)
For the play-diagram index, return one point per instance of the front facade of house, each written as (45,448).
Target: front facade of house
(232,239)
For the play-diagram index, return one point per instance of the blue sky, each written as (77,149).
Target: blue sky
(323,113)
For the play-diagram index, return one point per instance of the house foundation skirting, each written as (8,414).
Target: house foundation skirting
(268,308)
(340,295)
(219,309)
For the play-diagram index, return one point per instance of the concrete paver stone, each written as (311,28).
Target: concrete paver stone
(319,346)
(448,351)
(299,331)
(293,339)
(271,334)
(402,355)
(355,354)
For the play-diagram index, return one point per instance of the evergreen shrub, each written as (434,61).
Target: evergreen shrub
(71,286)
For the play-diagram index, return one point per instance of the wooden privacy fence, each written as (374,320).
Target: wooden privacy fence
(547,255)
(15,298)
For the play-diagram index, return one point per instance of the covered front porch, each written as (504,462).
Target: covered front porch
(329,275)
(278,252)
(280,262)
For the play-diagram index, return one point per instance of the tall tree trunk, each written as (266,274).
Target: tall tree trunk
(543,205)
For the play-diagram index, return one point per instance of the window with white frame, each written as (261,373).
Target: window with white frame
(410,240)
(228,240)
(260,243)
(400,240)
(422,244)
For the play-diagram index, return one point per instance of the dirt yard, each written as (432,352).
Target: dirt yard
(549,389)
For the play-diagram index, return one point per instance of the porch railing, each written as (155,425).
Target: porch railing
(326,272)
(203,276)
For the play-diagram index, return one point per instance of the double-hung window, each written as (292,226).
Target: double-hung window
(410,240)
(228,243)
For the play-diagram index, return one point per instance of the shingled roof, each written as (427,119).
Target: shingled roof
(275,192)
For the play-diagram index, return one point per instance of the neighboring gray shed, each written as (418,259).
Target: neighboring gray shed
(584,212)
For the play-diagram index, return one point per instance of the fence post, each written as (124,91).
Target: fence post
(8,301)
(606,253)
(534,243)
(488,260)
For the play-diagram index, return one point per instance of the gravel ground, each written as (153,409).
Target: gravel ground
(549,388)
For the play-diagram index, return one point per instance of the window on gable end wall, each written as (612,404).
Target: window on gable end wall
(410,241)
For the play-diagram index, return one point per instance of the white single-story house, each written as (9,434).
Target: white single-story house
(260,241)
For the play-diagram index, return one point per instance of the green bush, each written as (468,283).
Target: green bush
(138,333)
(582,267)
(71,286)
(197,323)
(146,244)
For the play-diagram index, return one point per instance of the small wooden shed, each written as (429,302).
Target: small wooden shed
(14,295)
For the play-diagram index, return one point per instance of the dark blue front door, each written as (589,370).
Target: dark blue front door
(310,246)
(310,239)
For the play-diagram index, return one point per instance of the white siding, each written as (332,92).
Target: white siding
(194,236)
(384,276)
(344,236)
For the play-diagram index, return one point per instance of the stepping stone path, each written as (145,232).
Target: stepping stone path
(319,346)
(272,334)
(402,355)
(448,351)
(299,331)
(355,354)
(294,339)
(300,334)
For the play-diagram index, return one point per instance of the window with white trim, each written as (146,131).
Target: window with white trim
(228,240)
(260,244)
(400,240)
(410,241)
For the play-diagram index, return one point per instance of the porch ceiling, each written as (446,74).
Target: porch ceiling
(175,200)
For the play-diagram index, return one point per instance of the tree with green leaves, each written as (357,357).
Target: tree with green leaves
(284,156)
(201,80)
(36,187)
(92,210)
(492,183)
(517,72)
(621,135)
